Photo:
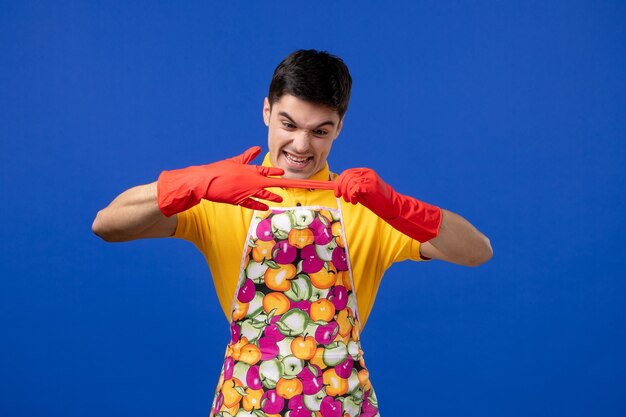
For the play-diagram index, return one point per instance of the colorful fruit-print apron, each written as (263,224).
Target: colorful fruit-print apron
(295,348)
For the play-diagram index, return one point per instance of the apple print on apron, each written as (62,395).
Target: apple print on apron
(295,349)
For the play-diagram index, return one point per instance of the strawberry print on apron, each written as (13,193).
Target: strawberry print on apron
(295,349)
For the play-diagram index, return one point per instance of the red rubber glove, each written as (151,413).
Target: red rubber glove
(408,215)
(230,181)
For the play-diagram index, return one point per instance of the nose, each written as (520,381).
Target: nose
(302,141)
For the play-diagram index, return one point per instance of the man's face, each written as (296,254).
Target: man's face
(300,135)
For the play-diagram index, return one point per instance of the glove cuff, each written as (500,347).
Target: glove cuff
(416,219)
(173,194)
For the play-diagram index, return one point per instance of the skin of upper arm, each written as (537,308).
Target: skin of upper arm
(163,228)
(458,242)
(132,215)
(427,250)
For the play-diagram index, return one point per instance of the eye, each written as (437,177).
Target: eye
(288,125)
(320,132)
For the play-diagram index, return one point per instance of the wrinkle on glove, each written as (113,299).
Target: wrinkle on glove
(414,218)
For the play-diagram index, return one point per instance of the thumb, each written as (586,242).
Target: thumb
(247,156)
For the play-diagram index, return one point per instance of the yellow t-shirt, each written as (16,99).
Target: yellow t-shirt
(219,231)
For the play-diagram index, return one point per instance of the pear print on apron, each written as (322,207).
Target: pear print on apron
(295,349)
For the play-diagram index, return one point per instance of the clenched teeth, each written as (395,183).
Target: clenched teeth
(295,159)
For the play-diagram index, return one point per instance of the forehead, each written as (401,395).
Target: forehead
(304,112)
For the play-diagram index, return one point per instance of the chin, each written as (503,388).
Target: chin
(297,175)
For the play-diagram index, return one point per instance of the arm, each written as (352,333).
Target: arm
(134,214)
(151,210)
(458,242)
(444,235)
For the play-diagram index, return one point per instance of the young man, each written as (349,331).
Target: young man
(303,286)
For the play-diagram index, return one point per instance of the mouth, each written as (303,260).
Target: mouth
(295,160)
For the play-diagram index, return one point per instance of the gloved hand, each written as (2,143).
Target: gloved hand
(408,215)
(230,181)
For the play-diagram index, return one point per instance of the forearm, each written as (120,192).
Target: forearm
(134,214)
(459,242)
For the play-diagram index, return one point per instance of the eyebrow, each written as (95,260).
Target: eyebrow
(285,114)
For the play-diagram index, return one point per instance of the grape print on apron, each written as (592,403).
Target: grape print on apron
(295,349)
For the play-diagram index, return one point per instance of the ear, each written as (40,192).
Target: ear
(339,126)
(267,110)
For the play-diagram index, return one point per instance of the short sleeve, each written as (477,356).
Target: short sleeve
(193,225)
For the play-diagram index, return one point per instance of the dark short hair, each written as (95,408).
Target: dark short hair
(314,76)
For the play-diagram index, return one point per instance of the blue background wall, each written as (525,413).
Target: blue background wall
(509,113)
